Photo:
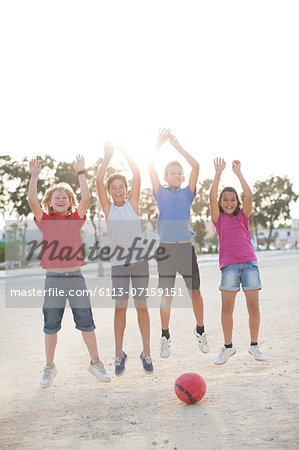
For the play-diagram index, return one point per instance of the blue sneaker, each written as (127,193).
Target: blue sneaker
(120,364)
(147,363)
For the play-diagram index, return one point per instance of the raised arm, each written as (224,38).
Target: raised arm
(135,192)
(247,204)
(35,168)
(192,161)
(79,167)
(162,138)
(219,165)
(105,203)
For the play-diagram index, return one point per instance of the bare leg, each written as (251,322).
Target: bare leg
(252,301)
(119,325)
(144,324)
(50,346)
(197,304)
(165,311)
(228,304)
(90,340)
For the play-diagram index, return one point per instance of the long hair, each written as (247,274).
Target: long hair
(230,189)
(61,187)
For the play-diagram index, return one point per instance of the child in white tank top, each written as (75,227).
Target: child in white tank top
(123,223)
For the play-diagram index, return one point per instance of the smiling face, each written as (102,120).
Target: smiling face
(118,191)
(60,202)
(229,202)
(174,176)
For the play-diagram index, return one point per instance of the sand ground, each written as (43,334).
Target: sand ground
(247,404)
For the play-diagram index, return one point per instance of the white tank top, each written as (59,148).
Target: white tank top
(124,227)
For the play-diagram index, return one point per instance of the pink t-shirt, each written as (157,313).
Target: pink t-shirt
(64,244)
(235,244)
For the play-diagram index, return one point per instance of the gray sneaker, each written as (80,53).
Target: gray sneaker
(98,370)
(48,376)
(147,363)
(120,364)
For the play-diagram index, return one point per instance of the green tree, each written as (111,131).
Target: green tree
(199,229)
(5,166)
(2,252)
(201,205)
(17,175)
(148,209)
(271,203)
(200,211)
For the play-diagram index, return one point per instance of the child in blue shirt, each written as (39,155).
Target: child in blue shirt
(174,204)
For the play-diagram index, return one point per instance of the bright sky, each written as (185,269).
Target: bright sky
(223,75)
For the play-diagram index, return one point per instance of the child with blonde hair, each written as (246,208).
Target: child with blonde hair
(60,221)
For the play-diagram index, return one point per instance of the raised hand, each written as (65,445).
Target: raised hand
(35,167)
(174,142)
(219,164)
(164,134)
(79,164)
(236,166)
(108,149)
(120,145)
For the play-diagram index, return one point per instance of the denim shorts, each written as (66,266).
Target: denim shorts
(121,275)
(246,274)
(58,288)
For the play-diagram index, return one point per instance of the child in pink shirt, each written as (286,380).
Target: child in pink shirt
(237,259)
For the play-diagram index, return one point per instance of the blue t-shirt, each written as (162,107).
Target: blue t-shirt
(174,213)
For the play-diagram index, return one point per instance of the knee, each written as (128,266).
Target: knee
(227,310)
(52,320)
(196,296)
(120,311)
(253,310)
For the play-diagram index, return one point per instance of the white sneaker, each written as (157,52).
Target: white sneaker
(98,370)
(50,373)
(202,341)
(164,347)
(256,353)
(225,354)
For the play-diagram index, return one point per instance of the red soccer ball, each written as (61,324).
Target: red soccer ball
(190,387)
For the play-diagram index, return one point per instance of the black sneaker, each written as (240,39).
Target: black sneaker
(120,364)
(147,363)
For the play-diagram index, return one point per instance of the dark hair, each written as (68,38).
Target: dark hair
(230,189)
(116,177)
(172,163)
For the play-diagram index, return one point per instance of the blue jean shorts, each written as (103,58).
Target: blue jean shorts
(58,288)
(246,274)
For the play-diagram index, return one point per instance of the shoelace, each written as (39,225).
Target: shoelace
(164,344)
(101,368)
(148,359)
(257,349)
(47,372)
(204,338)
(223,349)
(117,360)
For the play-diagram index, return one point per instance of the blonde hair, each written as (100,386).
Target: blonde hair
(172,163)
(61,187)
